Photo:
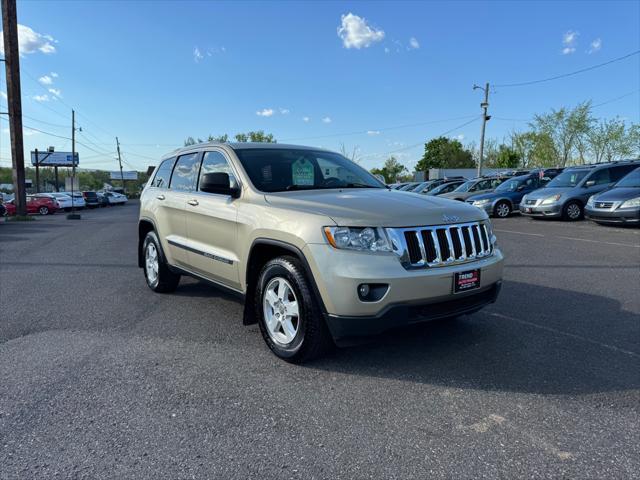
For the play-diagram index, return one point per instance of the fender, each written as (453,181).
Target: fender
(248,316)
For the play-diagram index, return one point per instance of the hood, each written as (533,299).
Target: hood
(377,207)
(549,191)
(489,195)
(618,194)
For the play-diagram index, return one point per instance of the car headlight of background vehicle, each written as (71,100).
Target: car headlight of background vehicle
(551,199)
(483,201)
(631,203)
(366,239)
(591,202)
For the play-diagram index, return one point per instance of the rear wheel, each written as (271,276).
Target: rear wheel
(288,314)
(43,210)
(502,209)
(159,277)
(572,211)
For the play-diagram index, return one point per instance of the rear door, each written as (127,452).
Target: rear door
(598,181)
(212,227)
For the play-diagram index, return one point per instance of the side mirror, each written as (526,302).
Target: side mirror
(521,188)
(218,182)
(589,183)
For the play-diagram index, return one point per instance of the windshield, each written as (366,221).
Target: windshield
(509,186)
(631,180)
(568,179)
(465,186)
(285,169)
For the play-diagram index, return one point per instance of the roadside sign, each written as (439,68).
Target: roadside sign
(54,159)
(130,175)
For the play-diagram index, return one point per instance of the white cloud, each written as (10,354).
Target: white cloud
(31,42)
(569,42)
(55,92)
(595,46)
(413,43)
(265,112)
(45,80)
(285,111)
(355,33)
(373,132)
(306,119)
(386,50)
(460,137)
(197,55)
(41,98)
(326,120)
(54,74)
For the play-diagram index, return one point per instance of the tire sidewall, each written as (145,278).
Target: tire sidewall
(282,268)
(152,238)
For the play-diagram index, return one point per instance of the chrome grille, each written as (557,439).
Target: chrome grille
(604,204)
(441,245)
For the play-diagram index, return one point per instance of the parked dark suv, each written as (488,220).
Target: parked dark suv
(566,195)
(621,204)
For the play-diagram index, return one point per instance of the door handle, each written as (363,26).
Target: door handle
(160,197)
(193,203)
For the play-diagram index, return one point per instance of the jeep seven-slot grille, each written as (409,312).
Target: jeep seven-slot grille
(442,245)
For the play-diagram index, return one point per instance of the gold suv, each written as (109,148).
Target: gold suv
(320,250)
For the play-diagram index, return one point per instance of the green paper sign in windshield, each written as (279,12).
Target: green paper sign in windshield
(302,172)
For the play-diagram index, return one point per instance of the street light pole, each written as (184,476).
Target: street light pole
(485,118)
(73,215)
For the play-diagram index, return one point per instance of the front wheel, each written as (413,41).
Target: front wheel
(289,318)
(43,211)
(572,211)
(159,277)
(502,209)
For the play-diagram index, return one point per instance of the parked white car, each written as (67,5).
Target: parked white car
(63,199)
(115,198)
(78,199)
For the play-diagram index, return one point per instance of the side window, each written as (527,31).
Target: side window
(215,162)
(618,172)
(601,176)
(163,174)
(530,182)
(184,173)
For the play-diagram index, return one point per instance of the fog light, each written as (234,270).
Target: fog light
(363,290)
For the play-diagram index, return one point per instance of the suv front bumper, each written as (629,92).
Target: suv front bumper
(412,295)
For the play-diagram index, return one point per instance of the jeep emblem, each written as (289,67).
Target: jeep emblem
(450,218)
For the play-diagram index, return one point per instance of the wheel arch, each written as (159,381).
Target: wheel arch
(145,225)
(262,250)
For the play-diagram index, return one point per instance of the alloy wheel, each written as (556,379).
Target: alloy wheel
(151,264)
(281,313)
(502,210)
(573,211)
(43,210)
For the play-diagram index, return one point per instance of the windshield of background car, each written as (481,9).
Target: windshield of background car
(280,170)
(465,186)
(510,185)
(570,178)
(631,180)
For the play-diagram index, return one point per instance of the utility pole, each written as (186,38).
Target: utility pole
(12,66)
(37,172)
(485,118)
(73,215)
(120,162)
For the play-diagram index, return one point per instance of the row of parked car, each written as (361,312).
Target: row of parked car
(607,193)
(50,203)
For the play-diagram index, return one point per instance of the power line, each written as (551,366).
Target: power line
(564,75)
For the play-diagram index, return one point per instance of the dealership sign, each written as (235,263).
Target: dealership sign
(131,175)
(54,159)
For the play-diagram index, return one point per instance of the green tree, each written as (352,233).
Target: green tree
(391,170)
(613,140)
(443,152)
(534,149)
(504,157)
(257,136)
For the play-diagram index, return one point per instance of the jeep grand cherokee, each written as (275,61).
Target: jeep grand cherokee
(320,249)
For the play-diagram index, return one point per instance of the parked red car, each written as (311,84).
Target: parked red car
(43,205)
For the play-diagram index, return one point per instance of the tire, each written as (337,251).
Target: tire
(43,210)
(502,209)
(307,336)
(572,211)
(159,279)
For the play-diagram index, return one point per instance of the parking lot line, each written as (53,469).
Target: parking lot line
(519,233)
(566,334)
(600,241)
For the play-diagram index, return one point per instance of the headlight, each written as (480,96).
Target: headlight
(551,199)
(631,203)
(591,201)
(484,201)
(368,239)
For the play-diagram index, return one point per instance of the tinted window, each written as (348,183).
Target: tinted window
(600,177)
(163,174)
(215,162)
(568,178)
(631,180)
(618,172)
(184,173)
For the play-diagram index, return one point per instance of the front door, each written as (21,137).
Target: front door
(212,227)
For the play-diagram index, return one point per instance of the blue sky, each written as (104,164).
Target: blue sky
(316,73)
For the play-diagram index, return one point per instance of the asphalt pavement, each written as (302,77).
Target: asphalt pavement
(101,378)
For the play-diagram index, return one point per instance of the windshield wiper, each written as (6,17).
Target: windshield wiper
(358,185)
